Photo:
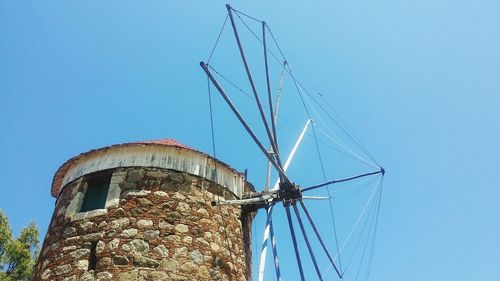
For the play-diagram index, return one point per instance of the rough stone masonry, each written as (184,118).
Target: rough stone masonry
(158,224)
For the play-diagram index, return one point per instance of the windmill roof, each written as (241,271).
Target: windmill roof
(61,172)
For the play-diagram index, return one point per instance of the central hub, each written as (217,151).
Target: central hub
(289,192)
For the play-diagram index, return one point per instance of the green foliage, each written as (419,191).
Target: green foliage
(17,256)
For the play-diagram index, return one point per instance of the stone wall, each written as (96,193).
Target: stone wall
(158,225)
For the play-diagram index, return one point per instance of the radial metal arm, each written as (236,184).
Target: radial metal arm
(320,240)
(272,140)
(245,124)
(309,248)
(381,171)
(294,240)
(268,231)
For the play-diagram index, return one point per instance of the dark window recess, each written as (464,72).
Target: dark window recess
(97,191)
(92,257)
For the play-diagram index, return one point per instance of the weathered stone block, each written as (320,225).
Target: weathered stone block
(82,264)
(135,176)
(169,264)
(203,272)
(187,267)
(120,260)
(181,228)
(113,244)
(172,217)
(136,246)
(129,276)
(180,252)
(144,223)
(69,231)
(86,226)
(202,212)
(196,257)
(93,236)
(157,276)
(161,250)
(87,276)
(129,233)
(141,261)
(79,253)
(46,274)
(151,234)
(119,223)
(104,276)
(144,202)
(63,269)
(100,247)
(187,240)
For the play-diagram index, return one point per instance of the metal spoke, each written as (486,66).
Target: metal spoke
(294,240)
(381,171)
(320,240)
(294,150)
(252,84)
(275,252)
(269,233)
(263,253)
(244,123)
(268,82)
(311,253)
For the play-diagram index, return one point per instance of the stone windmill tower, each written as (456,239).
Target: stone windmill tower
(142,211)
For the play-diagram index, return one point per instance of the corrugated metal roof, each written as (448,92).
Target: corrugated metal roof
(61,172)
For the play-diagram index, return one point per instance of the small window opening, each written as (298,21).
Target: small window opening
(92,256)
(96,194)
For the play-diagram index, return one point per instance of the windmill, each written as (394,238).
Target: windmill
(285,191)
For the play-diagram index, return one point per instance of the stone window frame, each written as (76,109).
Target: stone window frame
(112,198)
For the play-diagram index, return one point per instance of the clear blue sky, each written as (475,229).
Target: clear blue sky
(418,82)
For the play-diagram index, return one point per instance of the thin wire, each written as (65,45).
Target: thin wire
(376,227)
(344,149)
(230,248)
(343,128)
(320,161)
(250,17)
(365,185)
(211,123)
(347,150)
(372,237)
(330,198)
(217,41)
(229,81)
(335,139)
(298,84)
(259,40)
(354,138)
(276,42)
(364,251)
(302,98)
(358,220)
(369,204)
(365,223)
